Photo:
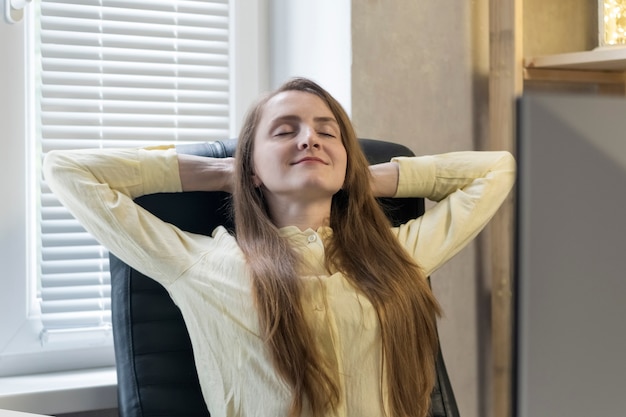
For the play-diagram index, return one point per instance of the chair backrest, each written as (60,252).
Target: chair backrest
(155,367)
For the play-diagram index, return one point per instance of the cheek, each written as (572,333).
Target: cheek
(260,157)
(344,165)
(342,170)
(257,168)
(265,167)
(343,158)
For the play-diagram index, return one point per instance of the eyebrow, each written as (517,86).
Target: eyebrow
(294,118)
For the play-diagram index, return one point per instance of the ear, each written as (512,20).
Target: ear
(256,181)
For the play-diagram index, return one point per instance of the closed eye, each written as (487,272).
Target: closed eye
(283,133)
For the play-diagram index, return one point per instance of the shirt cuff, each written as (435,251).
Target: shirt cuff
(416,176)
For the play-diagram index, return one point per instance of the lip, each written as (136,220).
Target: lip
(310,159)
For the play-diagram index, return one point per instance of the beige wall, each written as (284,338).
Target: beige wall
(557,26)
(419,77)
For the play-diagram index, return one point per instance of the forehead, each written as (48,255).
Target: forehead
(297,103)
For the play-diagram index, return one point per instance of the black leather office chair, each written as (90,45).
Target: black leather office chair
(155,367)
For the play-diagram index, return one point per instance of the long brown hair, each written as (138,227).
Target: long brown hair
(363,248)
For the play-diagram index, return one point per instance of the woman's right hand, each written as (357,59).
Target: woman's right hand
(199,173)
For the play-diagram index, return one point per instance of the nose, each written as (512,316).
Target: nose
(308,139)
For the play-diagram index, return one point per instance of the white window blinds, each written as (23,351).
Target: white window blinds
(117,73)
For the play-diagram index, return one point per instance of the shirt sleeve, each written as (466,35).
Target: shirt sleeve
(98,187)
(468,187)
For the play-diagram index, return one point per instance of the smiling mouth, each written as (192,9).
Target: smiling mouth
(310,159)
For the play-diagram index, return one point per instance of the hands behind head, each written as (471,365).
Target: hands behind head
(198,173)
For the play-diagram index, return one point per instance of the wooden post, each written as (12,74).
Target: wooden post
(505,84)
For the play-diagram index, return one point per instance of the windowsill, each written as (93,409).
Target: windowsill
(60,392)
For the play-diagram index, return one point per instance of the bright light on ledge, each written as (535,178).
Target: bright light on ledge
(612,22)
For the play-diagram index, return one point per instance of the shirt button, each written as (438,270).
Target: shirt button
(312,238)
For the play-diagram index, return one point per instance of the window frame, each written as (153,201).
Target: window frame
(21,351)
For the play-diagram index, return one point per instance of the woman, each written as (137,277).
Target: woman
(326,304)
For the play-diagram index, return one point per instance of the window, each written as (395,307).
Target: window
(117,73)
(111,73)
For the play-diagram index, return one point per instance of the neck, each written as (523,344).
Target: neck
(303,215)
